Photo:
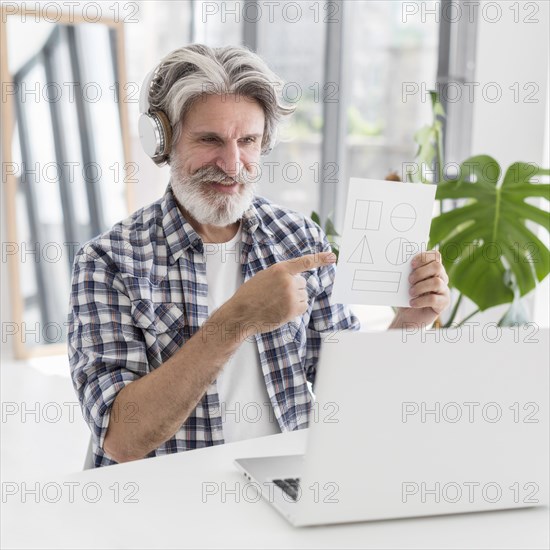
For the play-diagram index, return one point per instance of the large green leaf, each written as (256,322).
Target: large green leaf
(488,251)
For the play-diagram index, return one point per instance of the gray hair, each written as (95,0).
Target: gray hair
(188,73)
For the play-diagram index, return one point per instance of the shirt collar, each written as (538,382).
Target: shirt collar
(181,236)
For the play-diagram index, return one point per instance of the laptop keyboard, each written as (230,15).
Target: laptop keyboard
(290,485)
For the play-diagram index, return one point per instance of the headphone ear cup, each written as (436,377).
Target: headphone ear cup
(155,134)
(149,134)
(167,131)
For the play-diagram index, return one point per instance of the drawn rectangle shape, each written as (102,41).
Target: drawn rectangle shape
(361,214)
(375,213)
(376,281)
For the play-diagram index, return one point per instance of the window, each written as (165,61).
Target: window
(345,64)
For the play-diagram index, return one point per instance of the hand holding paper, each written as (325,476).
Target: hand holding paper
(429,294)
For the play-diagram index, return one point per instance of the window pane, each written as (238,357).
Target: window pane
(218,23)
(98,81)
(386,54)
(27,273)
(70,139)
(293,180)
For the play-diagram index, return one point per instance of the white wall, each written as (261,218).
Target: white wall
(513,50)
(509,52)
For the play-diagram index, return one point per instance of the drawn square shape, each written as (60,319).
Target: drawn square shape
(367,215)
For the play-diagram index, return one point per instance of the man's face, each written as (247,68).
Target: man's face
(216,158)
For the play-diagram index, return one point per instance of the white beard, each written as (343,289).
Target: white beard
(205,204)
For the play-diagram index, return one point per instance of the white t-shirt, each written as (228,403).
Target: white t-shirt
(245,407)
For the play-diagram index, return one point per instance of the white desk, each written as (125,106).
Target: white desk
(176,511)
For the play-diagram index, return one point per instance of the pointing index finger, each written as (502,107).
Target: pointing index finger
(296,266)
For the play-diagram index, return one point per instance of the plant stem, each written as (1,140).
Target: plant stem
(468,317)
(439,157)
(453,313)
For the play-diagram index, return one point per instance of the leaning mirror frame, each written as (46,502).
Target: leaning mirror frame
(94,204)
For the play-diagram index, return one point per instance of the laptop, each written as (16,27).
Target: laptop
(418,423)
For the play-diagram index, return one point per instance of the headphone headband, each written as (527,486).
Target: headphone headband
(144,92)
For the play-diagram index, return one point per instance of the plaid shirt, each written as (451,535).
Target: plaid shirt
(139,292)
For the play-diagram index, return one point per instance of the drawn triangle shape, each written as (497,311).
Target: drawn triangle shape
(362,253)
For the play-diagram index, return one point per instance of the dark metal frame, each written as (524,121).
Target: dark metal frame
(456,65)
(250,29)
(333,150)
(59,140)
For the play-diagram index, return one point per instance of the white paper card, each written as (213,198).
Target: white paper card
(386,224)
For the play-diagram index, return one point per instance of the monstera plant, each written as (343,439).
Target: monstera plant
(487,241)
(487,244)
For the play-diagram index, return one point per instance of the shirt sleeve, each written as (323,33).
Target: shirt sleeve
(106,350)
(325,316)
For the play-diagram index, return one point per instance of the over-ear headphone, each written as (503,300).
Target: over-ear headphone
(155,131)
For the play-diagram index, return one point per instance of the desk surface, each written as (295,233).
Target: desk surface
(198,499)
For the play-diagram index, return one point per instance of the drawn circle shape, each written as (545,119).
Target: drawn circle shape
(400,250)
(403,217)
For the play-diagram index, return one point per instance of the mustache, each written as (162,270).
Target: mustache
(216,175)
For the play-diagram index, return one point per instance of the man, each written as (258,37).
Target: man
(198,320)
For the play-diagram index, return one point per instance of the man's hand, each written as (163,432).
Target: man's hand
(275,295)
(429,292)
